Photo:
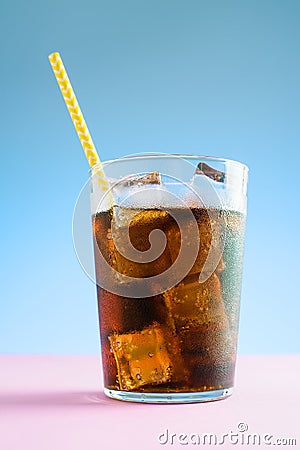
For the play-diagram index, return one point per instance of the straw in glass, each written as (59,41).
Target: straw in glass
(78,119)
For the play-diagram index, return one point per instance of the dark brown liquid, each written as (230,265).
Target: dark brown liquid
(185,338)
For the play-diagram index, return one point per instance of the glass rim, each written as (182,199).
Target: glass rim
(153,155)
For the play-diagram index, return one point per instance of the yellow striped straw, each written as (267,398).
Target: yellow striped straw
(77,118)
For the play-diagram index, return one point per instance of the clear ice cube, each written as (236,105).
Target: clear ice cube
(198,316)
(151,356)
(135,256)
(191,303)
(210,172)
(208,242)
(140,180)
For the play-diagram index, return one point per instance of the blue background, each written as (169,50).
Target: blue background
(209,77)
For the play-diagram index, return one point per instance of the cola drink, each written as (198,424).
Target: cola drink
(183,339)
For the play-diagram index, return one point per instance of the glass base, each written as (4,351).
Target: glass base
(184,397)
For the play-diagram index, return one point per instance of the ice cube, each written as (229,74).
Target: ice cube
(214,174)
(197,313)
(151,356)
(139,191)
(210,187)
(135,255)
(124,315)
(139,180)
(137,217)
(209,244)
(211,229)
(191,303)
(211,343)
(209,352)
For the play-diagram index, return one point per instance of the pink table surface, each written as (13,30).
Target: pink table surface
(56,402)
